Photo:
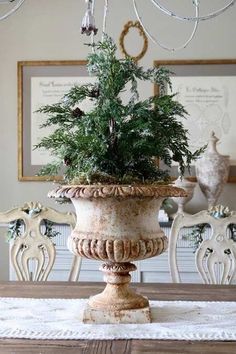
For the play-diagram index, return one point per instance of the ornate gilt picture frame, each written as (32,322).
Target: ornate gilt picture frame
(207,89)
(41,83)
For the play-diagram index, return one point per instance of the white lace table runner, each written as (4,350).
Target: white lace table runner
(61,319)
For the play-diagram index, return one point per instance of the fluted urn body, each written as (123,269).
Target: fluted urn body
(117,224)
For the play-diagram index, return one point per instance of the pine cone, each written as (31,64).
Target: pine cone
(67,161)
(77,113)
(94,93)
(177,157)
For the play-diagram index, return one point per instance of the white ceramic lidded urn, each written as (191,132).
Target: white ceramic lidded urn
(188,187)
(212,171)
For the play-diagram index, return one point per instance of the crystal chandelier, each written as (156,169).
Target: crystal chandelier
(88,24)
(11,7)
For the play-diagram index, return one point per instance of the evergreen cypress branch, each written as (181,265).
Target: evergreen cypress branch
(116,141)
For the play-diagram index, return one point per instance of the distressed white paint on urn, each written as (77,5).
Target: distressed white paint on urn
(117,224)
(124,229)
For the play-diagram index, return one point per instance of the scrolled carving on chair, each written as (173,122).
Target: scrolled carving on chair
(215,257)
(33,244)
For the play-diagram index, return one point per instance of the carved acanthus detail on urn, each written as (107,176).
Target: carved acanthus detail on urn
(118,250)
(122,191)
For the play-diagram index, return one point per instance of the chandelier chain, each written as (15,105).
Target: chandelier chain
(105,12)
(92,34)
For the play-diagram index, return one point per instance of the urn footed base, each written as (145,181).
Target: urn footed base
(116,297)
(103,316)
(117,303)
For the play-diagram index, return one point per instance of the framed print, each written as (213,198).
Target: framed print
(207,90)
(41,83)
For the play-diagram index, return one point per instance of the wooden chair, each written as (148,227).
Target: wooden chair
(215,257)
(31,243)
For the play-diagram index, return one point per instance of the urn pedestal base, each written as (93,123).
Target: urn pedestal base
(117,303)
(122,316)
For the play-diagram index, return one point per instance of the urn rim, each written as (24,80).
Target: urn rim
(116,191)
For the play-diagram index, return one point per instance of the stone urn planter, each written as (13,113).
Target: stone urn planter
(117,224)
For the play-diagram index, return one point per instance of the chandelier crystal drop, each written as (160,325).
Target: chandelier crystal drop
(88,24)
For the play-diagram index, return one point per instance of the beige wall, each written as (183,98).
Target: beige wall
(50,30)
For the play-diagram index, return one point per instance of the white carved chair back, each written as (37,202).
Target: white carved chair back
(32,244)
(215,258)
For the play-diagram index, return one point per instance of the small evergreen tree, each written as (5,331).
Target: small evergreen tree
(116,142)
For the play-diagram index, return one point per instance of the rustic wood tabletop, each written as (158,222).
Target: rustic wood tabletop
(197,292)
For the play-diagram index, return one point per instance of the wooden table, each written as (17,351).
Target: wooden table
(196,292)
